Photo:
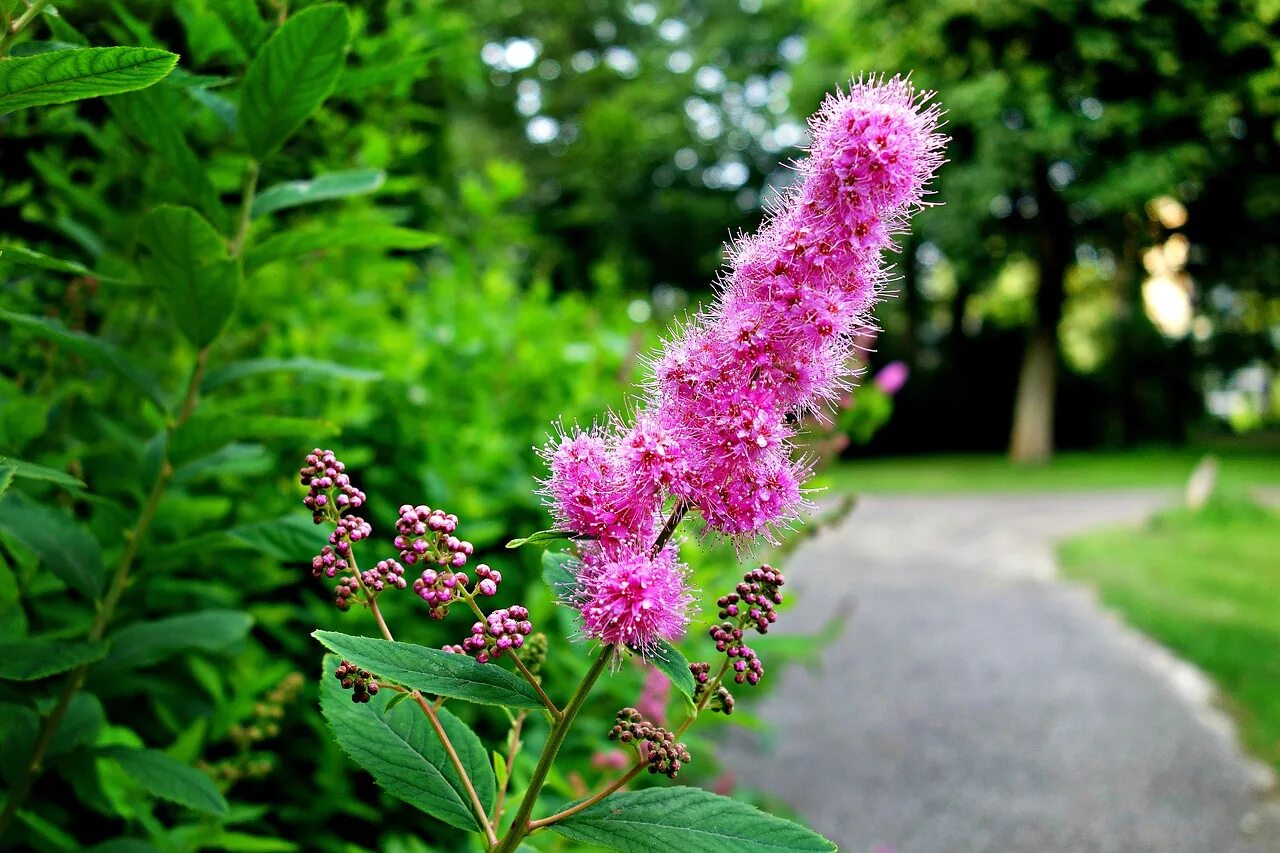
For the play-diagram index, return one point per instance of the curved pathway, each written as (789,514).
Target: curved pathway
(975,702)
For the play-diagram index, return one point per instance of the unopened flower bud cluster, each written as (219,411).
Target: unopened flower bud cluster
(656,745)
(503,630)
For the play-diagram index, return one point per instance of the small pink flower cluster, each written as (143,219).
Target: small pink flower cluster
(714,430)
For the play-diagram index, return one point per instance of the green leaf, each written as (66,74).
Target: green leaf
(433,671)
(399,747)
(6,477)
(687,819)
(29,660)
(123,845)
(556,571)
(243,21)
(308,367)
(169,779)
(292,244)
(291,76)
(148,117)
(60,76)
(64,547)
(243,842)
(356,81)
(95,350)
(675,666)
(28,257)
(208,431)
(189,262)
(542,537)
(84,719)
(146,643)
(292,539)
(36,47)
(31,471)
(324,187)
(236,459)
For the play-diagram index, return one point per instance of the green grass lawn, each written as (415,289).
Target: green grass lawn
(1206,585)
(1074,470)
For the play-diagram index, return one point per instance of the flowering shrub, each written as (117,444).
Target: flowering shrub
(712,434)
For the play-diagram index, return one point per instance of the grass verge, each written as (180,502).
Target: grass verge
(1205,584)
(1074,470)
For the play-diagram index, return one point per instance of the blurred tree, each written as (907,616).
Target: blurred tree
(1067,118)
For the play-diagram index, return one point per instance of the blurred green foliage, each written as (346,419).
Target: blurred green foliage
(204,278)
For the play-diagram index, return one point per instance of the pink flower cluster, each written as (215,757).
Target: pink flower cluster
(715,428)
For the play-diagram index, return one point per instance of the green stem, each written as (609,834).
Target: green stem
(520,825)
(20,24)
(119,582)
(247,194)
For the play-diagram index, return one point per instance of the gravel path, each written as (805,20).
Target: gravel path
(978,703)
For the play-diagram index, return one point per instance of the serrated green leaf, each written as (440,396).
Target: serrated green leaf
(169,779)
(29,660)
(31,471)
(687,819)
(542,537)
(324,187)
(150,642)
(292,539)
(292,244)
(398,746)
(433,670)
(673,664)
(60,76)
(309,367)
(291,76)
(189,262)
(65,548)
(557,571)
(6,477)
(96,350)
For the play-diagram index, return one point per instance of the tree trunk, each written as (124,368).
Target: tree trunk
(1031,440)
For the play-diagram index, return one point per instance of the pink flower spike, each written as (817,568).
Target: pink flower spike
(635,601)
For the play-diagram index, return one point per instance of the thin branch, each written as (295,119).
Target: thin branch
(247,194)
(513,749)
(457,765)
(21,23)
(669,529)
(572,810)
